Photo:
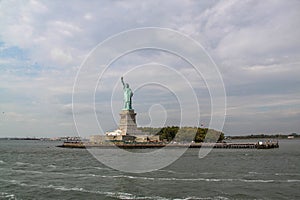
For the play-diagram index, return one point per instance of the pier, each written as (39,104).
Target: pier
(258,145)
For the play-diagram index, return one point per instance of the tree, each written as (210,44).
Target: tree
(185,134)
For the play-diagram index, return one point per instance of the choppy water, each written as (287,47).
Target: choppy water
(39,170)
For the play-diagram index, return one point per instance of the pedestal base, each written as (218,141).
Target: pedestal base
(128,123)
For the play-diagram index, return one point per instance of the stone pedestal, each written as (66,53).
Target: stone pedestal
(128,123)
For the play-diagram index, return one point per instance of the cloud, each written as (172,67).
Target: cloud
(254,43)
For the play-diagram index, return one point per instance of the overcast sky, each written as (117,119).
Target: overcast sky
(254,44)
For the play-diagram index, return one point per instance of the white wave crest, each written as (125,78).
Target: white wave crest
(7,196)
(256,181)
(102,168)
(204,198)
(287,174)
(254,173)
(27,164)
(27,171)
(290,181)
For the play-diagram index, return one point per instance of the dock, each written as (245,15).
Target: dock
(257,145)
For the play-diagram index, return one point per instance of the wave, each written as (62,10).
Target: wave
(204,198)
(255,173)
(7,196)
(57,166)
(66,174)
(174,172)
(256,181)
(27,164)
(124,195)
(117,195)
(203,179)
(287,174)
(290,181)
(56,173)
(27,171)
(171,179)
(51,166)
(102,168)
(168,171)
(206,173)
(276,174)
(82,168)
(2,162)
(118,176)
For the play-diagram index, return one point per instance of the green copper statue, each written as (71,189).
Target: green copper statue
(127,96)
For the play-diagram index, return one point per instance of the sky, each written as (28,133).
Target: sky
(254,44)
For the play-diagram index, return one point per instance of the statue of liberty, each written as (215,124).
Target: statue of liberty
(127,96)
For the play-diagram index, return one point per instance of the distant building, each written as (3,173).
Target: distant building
(112,137)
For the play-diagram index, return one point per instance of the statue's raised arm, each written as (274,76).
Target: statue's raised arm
(122,82)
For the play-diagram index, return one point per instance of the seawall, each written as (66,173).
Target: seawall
(264,145)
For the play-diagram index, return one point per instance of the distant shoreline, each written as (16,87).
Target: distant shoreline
(20,138)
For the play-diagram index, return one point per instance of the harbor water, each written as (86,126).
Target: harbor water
(40,170)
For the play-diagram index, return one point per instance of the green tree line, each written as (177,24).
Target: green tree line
(185,134)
